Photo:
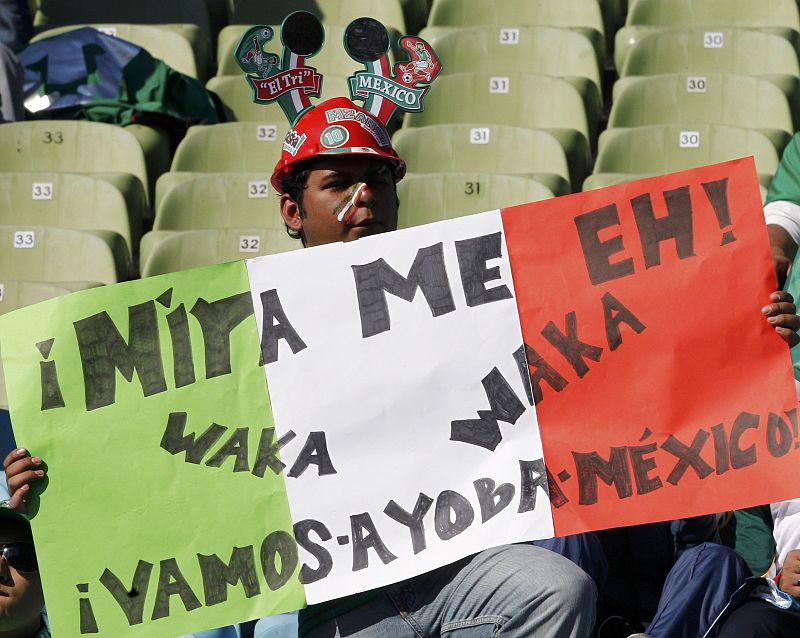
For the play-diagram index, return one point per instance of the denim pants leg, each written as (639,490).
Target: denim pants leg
(513,591)
(696,591)
(585,551)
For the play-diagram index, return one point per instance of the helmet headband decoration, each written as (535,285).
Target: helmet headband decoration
(383,89)
(288,81)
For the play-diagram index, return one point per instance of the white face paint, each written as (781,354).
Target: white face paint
(343,214)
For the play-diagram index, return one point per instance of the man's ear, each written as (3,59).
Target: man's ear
(291,213)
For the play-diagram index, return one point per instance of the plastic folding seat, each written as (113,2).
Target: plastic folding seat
(237,96)
(58,12)
(198,201)
(332,58)
(102,150)
(66,200)
(745,52)
(733,100)
(434,197)
(516,99)
(330,12)
(684,50)
(41,253)
(172,47)
(580,15)
(190,18)
(180,250)
(233,146)
(780,17)
(485,148)
(626,154)
(534,49)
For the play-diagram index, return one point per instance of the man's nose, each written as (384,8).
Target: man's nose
(362,196)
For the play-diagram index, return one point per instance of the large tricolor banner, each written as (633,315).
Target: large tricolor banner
(246,439)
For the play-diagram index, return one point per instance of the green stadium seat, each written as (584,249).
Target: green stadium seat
(219,200)
(189,18)
(659,149)
(67,200)
(237,97)
(170,46)
(580,15)
(170,251)
(516,99)
(483,148)
(780,17)
(433,197)
(232,147)
(330,12)
(682,50)
(745,52)
(533,49)
(102,150)
(59,13)
(733,100)
(332,59)
(42,253)
(197,201)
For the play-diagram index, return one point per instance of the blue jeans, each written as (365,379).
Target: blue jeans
(513,591)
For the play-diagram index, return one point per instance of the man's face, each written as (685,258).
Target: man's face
(361,187)
(21,598)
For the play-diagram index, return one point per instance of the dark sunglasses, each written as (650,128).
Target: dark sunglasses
(20,556)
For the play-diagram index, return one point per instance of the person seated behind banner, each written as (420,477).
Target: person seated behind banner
(782,210)
(670,580)
(769,607)
(22,612)
(523,589)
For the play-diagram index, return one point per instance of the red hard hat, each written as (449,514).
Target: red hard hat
(335,127)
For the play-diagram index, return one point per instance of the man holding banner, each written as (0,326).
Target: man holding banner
(343,194)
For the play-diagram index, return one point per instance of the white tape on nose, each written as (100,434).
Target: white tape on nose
(352,202)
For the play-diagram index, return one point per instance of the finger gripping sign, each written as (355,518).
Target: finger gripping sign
(245,439)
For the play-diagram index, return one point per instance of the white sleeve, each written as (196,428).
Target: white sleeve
(786,215)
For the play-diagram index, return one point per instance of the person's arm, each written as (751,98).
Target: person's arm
(782,209)
(782,243)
